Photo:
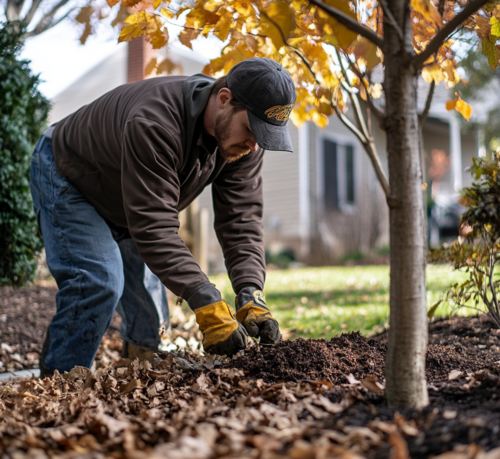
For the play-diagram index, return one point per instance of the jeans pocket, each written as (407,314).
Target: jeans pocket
(61,185)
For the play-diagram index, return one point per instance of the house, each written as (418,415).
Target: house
(320,202)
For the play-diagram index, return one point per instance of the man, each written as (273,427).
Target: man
(108,182)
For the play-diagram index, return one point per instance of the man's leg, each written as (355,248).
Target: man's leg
(85,261)
(143,306)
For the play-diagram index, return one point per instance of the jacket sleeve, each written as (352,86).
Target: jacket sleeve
(238,206)
(151,188)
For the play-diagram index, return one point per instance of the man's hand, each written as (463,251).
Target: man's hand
(222,334)
(252,312)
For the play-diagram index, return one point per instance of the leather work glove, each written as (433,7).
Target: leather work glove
(222,334)
(252,312)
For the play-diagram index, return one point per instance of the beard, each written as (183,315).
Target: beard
(222,133)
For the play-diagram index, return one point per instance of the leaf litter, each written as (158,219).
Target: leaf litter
(300,399)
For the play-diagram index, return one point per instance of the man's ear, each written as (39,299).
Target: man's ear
(224,97)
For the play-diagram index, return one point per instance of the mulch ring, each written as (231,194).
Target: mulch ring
(299,399)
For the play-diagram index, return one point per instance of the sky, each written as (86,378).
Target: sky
(60,59)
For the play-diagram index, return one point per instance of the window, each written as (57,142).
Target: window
(339,174)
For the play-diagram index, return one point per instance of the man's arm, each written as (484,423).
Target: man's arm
(151,189)
(238,206)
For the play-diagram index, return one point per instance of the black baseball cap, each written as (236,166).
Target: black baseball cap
(267,91)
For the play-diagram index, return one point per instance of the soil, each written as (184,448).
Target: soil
(463,375)
(314,359)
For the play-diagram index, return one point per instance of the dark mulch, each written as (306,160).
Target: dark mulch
(25,314)
(315,359)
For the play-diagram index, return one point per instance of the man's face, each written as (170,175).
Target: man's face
(233,134)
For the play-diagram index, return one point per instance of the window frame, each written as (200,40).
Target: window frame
(341,141)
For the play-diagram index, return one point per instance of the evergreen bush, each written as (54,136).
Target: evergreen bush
(23,115)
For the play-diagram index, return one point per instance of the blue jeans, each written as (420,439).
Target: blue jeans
(96,271)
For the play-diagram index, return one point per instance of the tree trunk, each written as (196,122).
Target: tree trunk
(405,366)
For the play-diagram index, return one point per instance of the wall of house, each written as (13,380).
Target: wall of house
(359,227)
(280,175)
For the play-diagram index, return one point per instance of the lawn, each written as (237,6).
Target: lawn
(323,302)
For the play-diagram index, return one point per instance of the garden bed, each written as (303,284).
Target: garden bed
(299,399)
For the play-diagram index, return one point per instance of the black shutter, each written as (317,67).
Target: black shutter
(349,174)
(330,175)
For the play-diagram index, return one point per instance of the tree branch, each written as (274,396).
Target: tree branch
(392,21)
(442,35)
(379,114)
(370,149)
(31,12)
(351,23)
(47,20)
(423,116)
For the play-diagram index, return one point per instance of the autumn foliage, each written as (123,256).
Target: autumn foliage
(306,39)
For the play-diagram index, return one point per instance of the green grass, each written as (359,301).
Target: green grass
(323,302)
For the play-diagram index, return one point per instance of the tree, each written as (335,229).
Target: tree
(331,49)
(22,116)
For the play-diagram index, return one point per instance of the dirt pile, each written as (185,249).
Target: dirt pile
(314,359)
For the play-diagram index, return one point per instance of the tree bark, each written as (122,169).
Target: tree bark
(405,365)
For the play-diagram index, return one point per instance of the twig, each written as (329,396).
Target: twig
(31,12)
(442,35)
(392,21)
(379,114)
(350,23)
(428,102)
(493,313)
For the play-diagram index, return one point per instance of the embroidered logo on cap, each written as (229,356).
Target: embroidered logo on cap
(279,112)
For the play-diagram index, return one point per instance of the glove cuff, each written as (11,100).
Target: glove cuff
(250,294)
(203,295)
(216,322)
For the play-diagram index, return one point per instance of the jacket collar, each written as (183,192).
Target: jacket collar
(196,91)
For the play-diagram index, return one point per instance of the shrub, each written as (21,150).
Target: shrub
(23,114)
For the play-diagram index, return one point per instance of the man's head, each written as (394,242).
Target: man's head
(253,104)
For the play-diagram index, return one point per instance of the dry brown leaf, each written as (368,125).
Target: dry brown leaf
(455,374)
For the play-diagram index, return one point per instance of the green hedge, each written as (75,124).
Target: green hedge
(23,115)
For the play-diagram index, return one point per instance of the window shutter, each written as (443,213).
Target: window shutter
(349,174)
(331,194)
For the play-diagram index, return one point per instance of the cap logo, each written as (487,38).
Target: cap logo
(279,112)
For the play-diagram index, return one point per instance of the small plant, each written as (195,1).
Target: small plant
(477,251)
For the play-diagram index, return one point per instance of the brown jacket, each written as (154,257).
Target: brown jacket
(139,156)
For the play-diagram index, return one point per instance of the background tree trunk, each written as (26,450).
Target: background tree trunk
(405,365)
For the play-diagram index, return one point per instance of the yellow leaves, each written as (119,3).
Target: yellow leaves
(277,21)
(222,28)
(444,71)
(368,52)
(187,36)
(427,9)
(335,33)
(166,66)
(112,3)
(490,50)
(159,38)
(482,27)
(166,13)
(495,26)
(150,67)
(143,23)
(460,106)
